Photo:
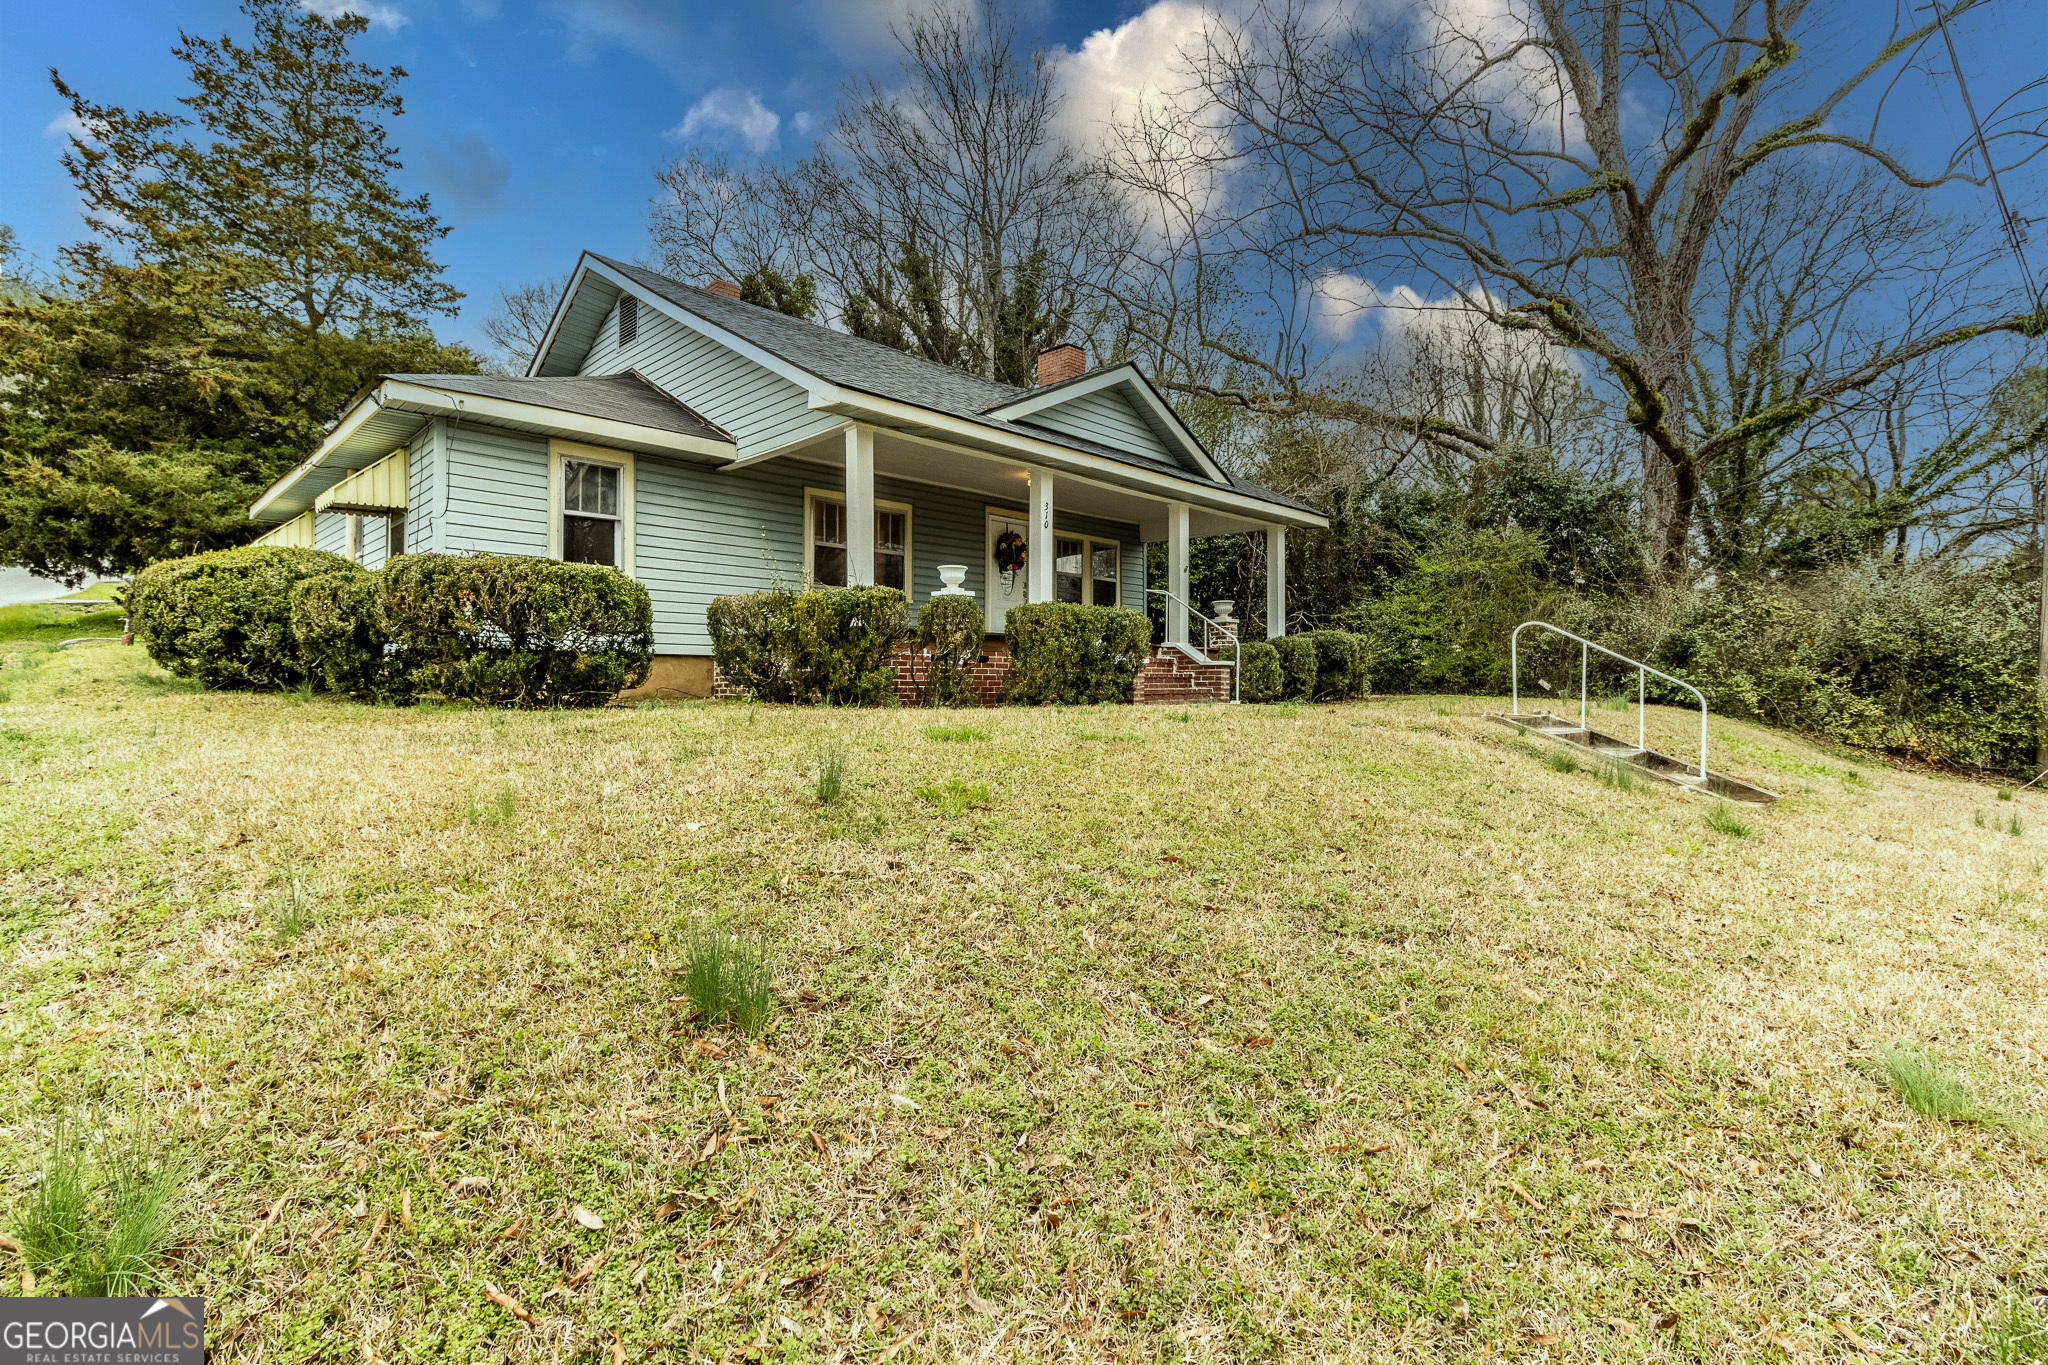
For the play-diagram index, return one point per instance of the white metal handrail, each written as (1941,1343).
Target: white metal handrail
(1642,672)
(1238,650)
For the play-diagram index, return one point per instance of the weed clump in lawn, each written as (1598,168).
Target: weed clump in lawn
(292,913)
(1562,761)
(98,1224)
(2006,791)
(831,781)
(1979,817)
(2013,827)
(2017,1335)
(1721,817)
(729,977)
(499,810)
(1619,774)
(955,734)
(1929,1088)
(955,797)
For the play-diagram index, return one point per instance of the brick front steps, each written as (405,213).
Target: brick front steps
(1168,678)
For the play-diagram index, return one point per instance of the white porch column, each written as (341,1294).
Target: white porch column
(860,506)
(1039,556)
(1177,573)
(1276,582)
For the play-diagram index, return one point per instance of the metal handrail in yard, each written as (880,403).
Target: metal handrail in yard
(1643,671)
(1238,649)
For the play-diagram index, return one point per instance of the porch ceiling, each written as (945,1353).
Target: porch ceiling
(1007,483)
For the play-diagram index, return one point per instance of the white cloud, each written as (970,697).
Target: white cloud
(1412,322)
(387,17)
(67,124)
(1118,73)
(732,112)
(802,122)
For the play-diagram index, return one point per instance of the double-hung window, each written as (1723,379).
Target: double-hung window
(1085,571)
(825,543)
(592,528)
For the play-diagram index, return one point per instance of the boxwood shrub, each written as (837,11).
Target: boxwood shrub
(1066,653)
(1297,655)
(1340,665)
(1260,678)
(831,645)
(516,630)
(843,640)
(338,621)
(224,618)
(950,631)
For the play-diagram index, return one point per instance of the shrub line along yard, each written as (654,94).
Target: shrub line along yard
(1236,1032)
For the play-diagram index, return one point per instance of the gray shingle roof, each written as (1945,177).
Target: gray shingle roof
(617,397)
(885,372)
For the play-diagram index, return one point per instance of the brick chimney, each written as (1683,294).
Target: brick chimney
(724,287)
(1061,363)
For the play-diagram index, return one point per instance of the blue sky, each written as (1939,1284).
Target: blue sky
(536,124)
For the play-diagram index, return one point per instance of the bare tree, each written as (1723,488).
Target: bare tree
(945,212)
(1492,160)
(519,323)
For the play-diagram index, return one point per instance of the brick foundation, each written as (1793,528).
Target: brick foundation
(1169,677)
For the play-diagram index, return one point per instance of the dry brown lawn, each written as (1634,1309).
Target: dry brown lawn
(1348,1033)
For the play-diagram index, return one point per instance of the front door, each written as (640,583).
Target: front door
(1009,540)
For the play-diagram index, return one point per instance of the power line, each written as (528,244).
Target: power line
(2014,227)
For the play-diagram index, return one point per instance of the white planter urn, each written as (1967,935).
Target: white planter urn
(1224,606)
(952,576)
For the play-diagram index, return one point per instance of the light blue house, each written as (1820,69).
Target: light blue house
(707,446)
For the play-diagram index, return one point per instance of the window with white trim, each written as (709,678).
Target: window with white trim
(592,527)
(825,543)
(1085,570)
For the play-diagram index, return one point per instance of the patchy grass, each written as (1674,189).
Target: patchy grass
(1721,817)
(28,624)
(830,783)
(957,734)
(1349,1034)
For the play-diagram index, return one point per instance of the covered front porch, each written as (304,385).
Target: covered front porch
(1047,530)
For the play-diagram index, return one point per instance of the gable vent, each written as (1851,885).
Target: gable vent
(629,319)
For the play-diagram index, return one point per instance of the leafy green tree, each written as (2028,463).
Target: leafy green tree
(767,287)
(249,268)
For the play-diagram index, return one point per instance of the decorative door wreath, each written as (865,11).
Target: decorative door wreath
(1011,553)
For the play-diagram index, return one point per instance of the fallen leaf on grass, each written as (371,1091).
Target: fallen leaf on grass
(383,1221)
(248,1251)
(1255,1041)
(518,1225)
(1546,1338)
(587,1269)
(707,1047)
(587,1218)
(904,1102)
(668,1210)
(1668,1323)
(1461,1066)
(1627,1329)
(1238,1128)
(509,1304)
(1849,1335)
(8,1244)
(804,1276)
(469,1184)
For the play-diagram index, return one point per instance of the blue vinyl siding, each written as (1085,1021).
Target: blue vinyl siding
(497,492)
(419,491)
(760,408)
(330,533)
(1107,416)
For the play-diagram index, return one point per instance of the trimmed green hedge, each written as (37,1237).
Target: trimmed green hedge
(517,630)
(843,640)
(1260,679)
(828,646)
(950,631)
(1065,653)
(338,621)
(1297,655)
(224,617)
(1340,665)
